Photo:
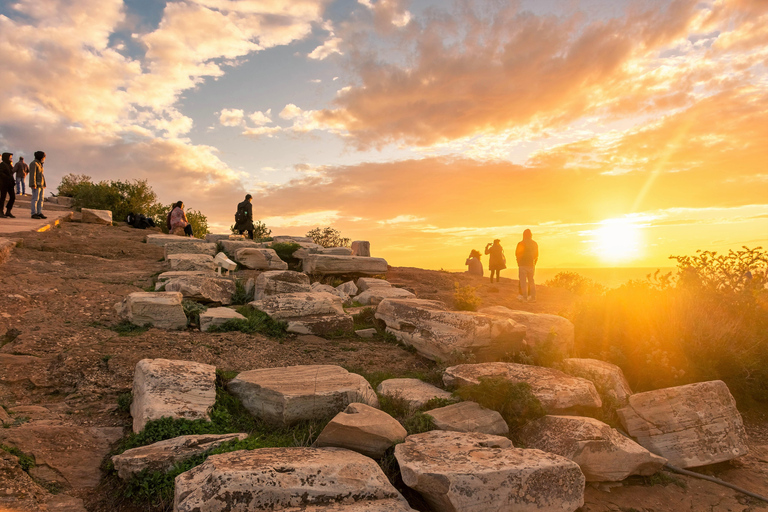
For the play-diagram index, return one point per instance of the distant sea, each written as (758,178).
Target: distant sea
(610,277)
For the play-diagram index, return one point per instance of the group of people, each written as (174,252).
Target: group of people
(13,176)
(526,254)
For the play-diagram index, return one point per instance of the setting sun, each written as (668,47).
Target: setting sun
(617,241)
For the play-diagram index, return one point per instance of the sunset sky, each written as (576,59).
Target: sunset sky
(619,132)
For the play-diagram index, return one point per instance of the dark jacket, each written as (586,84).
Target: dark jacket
(527,253)
(21,169)
(497,261)
(244,217)
(6,173)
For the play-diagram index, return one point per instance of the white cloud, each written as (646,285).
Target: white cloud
(402,219)
(231,117)
(261,118)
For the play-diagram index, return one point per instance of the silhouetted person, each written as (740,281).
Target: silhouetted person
(179,219)
(21,170)
(497,262)
(37,184)
(527,255)
(6,185)
(474,264)
(244,217)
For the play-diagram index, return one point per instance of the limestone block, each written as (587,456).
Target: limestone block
(319,287)
(161,456)
(366,283)
(603,454)
(557,392)
(366,333)
(287,239)
(362,429)
(327,264)
(216,237)
(287,395)
(230,247)
(291,479)
(203,289)
(607,378)
(191,262)
(65,201)
(463,472)
(374,296)
(161,309)
(189,248)
(321,325)
(336,251)
(437,333)
(218,316)
(260,259)
(166,238)
(177,389)
(349,288)
(414,391)
(90,216)
(540,328)
(298,305)
(172,274)
(276,282)
(469,417)
(361,248)
(690,425)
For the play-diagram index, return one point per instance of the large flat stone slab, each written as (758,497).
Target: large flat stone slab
(414,391)
(165,238)
(217,316)
(366,283)
(327,264)
(191,262)
(602,453)
(198,247)
(469,417)
(607,378)
(558,393)
(275,282)
(230,247)
(161,309)
(541,329)
(374,296)
(307,312)
(363,429)
(260,259)
(691,425)
(437,333)
(287,395)
(459,471)
(175,389)
(290,479)
(203,289)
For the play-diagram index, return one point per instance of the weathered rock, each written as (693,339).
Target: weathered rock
(217,237)
(321,325)
(203,289)
(362,429)
(607,378)
(166,238)
(90,216)
(414,391)
(171,274)
(5,419)
(191,262)
(557,392)
(437,333)
(161,309)
(287,395)
(326,264)
(291,479)
(198,247)
(601,451)
(161,456)
(366,283)
(348,288)
(250,287)
(541,329)
(177,389)
(297,305)
(218,316)
(319,287)
(287,239)
(461,471)
(690,425)
(366,333)
(374,296)
(276,282)
(361,248)
(6,247)
(230,247)
(260,259)
(64,201)
(469,417)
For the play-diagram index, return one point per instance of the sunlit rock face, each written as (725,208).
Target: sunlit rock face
(541,330)
(275,282)
(214,289)
(690,425)
(329,264)
(363,429)
(602,453)
(459,471)
(317,313)
(414,391)
(260,259)
(191,262)
(197,247)
(469,417)
(163,309)
(607,378)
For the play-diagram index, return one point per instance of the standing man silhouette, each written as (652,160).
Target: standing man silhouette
(527,254)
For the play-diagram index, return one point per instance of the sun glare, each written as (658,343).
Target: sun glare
(618,241)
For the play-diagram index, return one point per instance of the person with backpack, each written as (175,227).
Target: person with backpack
(244,217)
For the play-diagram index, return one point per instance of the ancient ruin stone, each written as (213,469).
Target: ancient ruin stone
(348,288)
(6,246)
(321,325)
(287,395)
(90,216)
(276,282)
(374,296)
(362,429)
(260,259)
(601,451)
(203,289)
(166,238)
(327,264)
(460,471)
(306,479)
(230,247)
(161,309)
(607,378)
(161,456)
(361,248)
(366,283)
(414,391)
(691,425)
(319,287)
(287,239)
(176,389)
(540,328)
(307,312)
(437,333)
(469,417)
(218,316)
(191,262)
(197,247)
(557,392)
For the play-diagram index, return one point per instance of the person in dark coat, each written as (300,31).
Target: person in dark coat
(527,255)
(21,170)
(7,183)
(497,262)
(244,217)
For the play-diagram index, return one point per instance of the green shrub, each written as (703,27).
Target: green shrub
(26,462)
(513,400)
(120,197)
(465,298)
(241,297)
(124,401)
(255,322)
(328,237)
(365,319)
(285,250)
(71,183)
(193,309)
(126,328)
(575,283)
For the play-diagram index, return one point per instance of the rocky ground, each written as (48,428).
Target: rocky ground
(62,368)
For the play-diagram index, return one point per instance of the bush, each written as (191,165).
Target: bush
(464,298)
(119,197)
(285,250)
(328,237)
(575,283)
(71,183)
(193,309)
(513,400)
(255,322)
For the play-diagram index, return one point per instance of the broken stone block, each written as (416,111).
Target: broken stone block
(374,296)
(218,316)
(414,391)
(366,283)
(540,329)
(363,429)
(260,259)
(160,309)
(198,247)
(203,289)
(191,262)
(327,264)
(275,282)
(361,248)
(607,378)
(90,216)
(469,417)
